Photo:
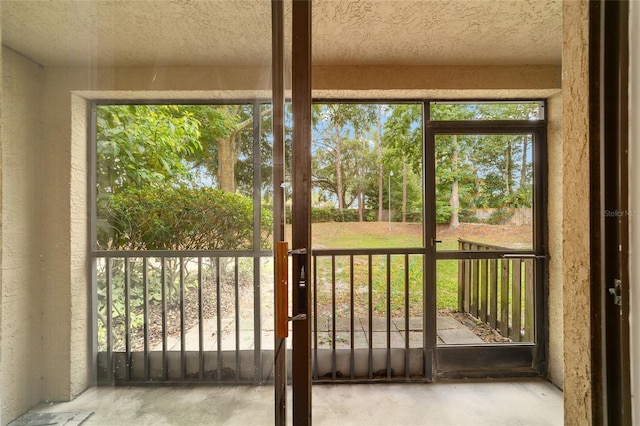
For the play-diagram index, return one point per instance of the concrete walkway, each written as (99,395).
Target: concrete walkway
(449,331)
(465,402)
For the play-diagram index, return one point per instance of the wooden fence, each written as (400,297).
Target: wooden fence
(499,292)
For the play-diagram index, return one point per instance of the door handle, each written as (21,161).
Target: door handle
(282,289)
(302,294)
(301,288)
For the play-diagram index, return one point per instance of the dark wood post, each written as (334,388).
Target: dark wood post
(277,69)
(301,211)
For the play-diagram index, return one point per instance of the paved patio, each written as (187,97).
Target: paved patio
(449,331)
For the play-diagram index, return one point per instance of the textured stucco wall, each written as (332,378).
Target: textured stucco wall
(55,165)
(67,324)
(575,214)
(407,81)
(442,32)
(80,290)
(21,348)
(554,217)
(178,78)
(389,77)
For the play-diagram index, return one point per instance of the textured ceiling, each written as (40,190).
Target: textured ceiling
(213,32)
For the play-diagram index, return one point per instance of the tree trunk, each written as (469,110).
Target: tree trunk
(523,166)
(226,164)
(361,206)
(404,189)
(476,186)
(454,199)
(339,172)
(454,222)
(227,155)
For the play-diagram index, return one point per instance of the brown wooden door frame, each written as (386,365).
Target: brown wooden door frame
(504,360)
(301,211)
(301,208)
(280,293)
(609,60)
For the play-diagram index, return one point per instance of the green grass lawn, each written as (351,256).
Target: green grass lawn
(363,235)
(377,235)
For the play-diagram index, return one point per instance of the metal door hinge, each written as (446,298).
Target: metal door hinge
(615,291)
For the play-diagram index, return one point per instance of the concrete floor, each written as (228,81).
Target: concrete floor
(466,402)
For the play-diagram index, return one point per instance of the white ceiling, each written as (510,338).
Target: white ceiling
(349,32)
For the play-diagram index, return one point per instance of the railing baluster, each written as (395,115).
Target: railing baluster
(370,316)
(484,286)
(467,284)
(127,318)
(183,340)
(163,283)
(257,322)
(475,273)
(200,323)
(145,313)
(218,320)
(504,298)
(236,285)
(406,315)
(388,316)
(461,280)
(351,320)
(516,301)
(493,293)
(315,317)
(111,367)
(333,317)
(528,301)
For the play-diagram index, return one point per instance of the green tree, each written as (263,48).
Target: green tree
(226,133)
(475,171)
(333,124)
(159,148)
(402,140)
(379,151)
(359,157)
(139,145)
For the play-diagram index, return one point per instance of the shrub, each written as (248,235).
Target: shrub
(178,218)
(325,214)
(370,216)
(414,216)
(469,216)
(443,212)
(500,216)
